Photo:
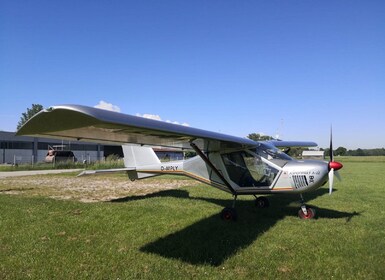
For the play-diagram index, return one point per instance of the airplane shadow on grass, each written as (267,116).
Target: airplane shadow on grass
(211,241)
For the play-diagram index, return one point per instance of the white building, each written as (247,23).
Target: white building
(320,155)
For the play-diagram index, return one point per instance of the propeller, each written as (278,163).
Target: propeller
(333,165)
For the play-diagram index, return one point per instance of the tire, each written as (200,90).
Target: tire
(229,214)
(262,202)
(310,214)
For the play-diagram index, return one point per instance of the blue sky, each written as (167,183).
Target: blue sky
(291,68)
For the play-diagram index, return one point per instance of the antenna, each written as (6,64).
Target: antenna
(279,134)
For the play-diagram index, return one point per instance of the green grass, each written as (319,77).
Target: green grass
(360,159)
(177,234)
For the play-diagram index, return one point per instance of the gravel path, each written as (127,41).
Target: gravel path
(88,188)
(35,172)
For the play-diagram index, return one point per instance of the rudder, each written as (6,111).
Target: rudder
(138,156)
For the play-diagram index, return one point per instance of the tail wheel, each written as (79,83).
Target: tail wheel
(229,214)
(310,214)
(262,202)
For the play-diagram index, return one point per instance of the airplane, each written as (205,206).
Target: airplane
(237,165)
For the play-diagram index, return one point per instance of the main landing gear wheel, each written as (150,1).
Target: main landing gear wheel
(229,214)
(262,202)
(306,213)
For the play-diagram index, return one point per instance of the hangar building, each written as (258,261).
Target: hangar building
(26,149)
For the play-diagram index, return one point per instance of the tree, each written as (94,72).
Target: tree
(296,151)
(341,151)
(259,137)
(360,152)
(36,108)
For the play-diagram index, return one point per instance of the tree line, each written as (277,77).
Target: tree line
(340,151)
(360,152)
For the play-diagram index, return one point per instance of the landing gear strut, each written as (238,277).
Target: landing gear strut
(306,212)
(228,213)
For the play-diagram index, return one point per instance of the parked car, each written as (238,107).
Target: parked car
(56,156)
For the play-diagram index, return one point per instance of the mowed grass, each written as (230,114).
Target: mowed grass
(177,234)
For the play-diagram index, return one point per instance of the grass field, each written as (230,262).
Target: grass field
(177,233)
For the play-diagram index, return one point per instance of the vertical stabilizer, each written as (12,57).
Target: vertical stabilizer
(137,156)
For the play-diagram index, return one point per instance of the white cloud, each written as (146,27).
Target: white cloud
(107,106)
(150,116)
(158,118)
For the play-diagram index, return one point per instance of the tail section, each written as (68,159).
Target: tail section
(137,158)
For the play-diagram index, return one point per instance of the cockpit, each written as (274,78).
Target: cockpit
(256,167)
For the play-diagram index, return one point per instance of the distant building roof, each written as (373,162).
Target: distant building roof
(313,154)
(10,136)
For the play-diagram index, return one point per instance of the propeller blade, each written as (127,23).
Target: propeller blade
(333,165)
(331,179)
(331,145)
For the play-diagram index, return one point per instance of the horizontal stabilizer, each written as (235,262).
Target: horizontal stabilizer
(93,172)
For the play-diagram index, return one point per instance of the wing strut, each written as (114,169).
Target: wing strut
(209,163)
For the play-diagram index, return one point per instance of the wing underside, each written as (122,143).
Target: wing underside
(89,124)
(289,144)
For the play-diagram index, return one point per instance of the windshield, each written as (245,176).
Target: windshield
(272,154)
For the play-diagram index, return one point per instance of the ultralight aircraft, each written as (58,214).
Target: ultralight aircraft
(236,165)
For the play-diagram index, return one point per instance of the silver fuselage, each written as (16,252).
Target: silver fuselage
(262,170)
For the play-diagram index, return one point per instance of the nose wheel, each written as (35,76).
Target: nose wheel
(305,212)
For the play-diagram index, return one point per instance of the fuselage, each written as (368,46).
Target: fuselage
(264,169)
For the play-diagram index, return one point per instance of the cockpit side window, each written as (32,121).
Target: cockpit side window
(236,167)
(247,170)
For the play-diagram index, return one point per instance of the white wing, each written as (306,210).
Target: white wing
(95,125)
